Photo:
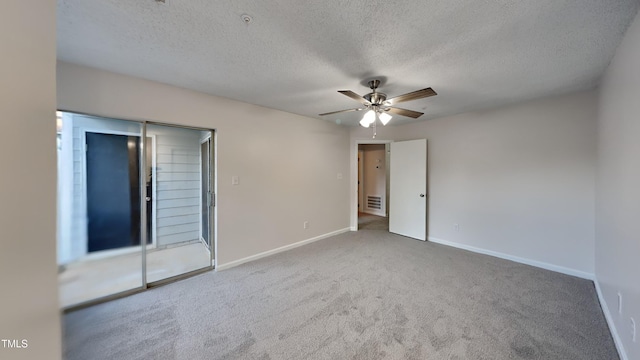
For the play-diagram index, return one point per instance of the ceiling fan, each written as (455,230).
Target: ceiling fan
(379,106)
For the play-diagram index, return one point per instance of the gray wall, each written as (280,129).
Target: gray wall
(519,180)
(29,300)
(617,246)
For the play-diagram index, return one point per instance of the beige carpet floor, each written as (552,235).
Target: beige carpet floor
(360,295)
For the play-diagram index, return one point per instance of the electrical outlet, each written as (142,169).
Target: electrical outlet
(456,227)
(633,330)
(235,180)
(619,303)
(339,176)
(305,224)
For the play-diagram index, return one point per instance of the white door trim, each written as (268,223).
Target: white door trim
(213,159)
(360,180)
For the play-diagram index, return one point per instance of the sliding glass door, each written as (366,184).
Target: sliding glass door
(131,209)
(178,208)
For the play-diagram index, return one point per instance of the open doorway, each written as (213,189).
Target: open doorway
(373,186)
(406,186)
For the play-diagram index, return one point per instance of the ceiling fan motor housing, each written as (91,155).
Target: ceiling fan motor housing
(376,98)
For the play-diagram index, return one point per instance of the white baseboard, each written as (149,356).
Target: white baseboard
(561,269)
(540,264)
(612,327)
(280,249)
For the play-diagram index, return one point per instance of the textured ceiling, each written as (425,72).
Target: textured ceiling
(296,54)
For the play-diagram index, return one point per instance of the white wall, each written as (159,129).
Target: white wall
(374,177)
(518,180)
(617,245)
(29,300)
(287,164)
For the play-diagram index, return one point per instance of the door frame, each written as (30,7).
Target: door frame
(360,180)
(353,188)
(213,178)
(83,207)
(212,137)
(207,138)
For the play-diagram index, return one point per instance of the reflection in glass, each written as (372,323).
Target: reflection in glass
(104,192)
(99,252)
(180,201)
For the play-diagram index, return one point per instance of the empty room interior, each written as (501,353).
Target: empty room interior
(320,180)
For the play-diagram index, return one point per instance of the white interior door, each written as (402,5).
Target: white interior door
(408,189)
(360,181)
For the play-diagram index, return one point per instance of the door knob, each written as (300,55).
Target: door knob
(421,195)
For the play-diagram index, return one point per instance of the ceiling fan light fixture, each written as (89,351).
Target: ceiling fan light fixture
(368,118)
(384,118)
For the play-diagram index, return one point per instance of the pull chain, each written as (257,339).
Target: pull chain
(374,129)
